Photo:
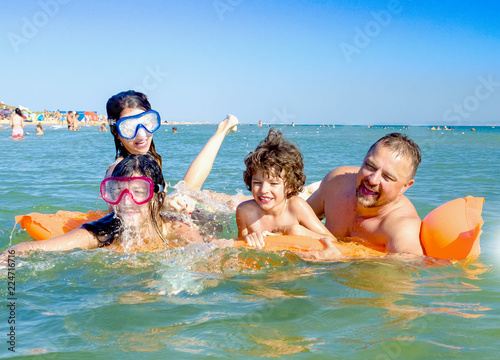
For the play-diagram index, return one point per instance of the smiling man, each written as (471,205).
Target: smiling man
(368,202)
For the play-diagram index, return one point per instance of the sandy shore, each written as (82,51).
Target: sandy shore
(98,123)
(95,123)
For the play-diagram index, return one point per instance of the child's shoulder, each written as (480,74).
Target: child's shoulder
(247,205)
(298,205)
(296,201)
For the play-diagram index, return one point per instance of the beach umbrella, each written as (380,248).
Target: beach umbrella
(40,117)
(3,112)
(92,115)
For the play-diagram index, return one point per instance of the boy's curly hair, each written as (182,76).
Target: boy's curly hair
(273,156)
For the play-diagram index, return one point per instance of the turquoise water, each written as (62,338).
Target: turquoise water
(192,303)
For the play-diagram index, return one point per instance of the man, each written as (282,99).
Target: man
(70,119)
(369,202)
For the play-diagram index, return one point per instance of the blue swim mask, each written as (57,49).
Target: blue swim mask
(129,126)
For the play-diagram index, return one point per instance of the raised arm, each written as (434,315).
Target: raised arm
(202,165)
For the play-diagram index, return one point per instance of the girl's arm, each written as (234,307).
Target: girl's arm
(181,233)
(202,164)
(78,238)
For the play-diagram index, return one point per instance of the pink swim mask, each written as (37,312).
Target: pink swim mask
(140,189)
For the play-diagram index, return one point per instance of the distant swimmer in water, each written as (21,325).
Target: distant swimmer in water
(368,202)
(103,128)
(17,123)
(39,129)
(136,192)
(274,174)
(174,129)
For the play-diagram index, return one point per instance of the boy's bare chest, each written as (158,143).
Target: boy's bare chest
(272,222)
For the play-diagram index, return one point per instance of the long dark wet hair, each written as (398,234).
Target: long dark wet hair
(114,107)
(19,112)
(110,227)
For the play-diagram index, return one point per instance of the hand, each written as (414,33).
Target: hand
(228,124)
(329,253)
(179,203)
(256,239)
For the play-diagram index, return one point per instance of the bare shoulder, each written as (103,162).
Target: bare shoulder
(247,205)
(300,207)
(297,203)
(343,177)
(340,174)
(248,210)
(402,229)
(111,167)
(342,170)
(404,209)
(406,217)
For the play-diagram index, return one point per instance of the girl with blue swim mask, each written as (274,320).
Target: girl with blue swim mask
(132,131)
(132,122)
(128,127)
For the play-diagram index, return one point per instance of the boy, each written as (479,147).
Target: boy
(275,177)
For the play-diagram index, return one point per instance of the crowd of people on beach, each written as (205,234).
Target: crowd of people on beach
(365,203)
(17,119)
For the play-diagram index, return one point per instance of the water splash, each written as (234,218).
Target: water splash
(212,216)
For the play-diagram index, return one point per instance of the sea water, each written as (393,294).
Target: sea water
(196,302)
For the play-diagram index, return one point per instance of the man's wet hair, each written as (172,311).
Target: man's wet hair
(401,145)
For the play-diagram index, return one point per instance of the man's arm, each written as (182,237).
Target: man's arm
(317,200)
(403,235)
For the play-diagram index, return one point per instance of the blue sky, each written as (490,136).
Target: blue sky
(331,62)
